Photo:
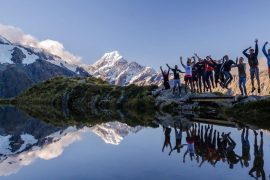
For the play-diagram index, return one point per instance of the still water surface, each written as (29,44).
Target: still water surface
(33,149)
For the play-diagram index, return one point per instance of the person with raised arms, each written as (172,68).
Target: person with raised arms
(195,76)
(253,63)
(176,78)
(267,55)
(200,73)
(217,67)
(165,78)
(209,68)
(188,75)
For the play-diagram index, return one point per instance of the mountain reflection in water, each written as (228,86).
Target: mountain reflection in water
(201,150)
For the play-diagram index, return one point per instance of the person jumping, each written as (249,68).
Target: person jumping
(217,67)
(200,73)
(195,76)
(165,78)
(176,80)
(267,55)
(209,68)
(253,63)
(242,75)
(188,76)
(226,69)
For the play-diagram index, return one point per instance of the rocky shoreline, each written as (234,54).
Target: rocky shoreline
(83,95)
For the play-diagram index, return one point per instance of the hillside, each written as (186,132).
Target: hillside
(82,94)
(21,67)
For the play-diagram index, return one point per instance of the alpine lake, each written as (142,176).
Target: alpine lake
(46,144)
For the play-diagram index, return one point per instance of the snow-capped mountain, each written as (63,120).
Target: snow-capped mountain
(113,68)
(114,132)
(22,66)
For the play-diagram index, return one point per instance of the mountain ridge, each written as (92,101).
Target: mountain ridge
(115,69)
(22,66)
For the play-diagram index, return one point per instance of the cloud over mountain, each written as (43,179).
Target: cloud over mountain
(16,35)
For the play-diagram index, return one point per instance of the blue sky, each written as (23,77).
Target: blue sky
(151,32)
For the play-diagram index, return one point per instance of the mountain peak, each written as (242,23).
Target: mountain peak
(115,69)
(3,40)
(109,59)
(112,55)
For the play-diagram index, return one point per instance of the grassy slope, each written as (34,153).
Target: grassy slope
(81,94)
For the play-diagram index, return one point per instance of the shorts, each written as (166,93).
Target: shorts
(187,78)
(254,72)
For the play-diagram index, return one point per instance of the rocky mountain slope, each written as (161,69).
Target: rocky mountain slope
(112,67)
(22,67)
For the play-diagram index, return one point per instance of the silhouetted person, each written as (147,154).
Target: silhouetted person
(258,160)
(217,68)
(167,141)
(165,78)
(200,67)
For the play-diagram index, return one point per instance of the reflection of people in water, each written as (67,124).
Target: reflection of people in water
(232,157)
(258,159)
(245,147)
(190,143)
(221,148)
(197,142)
(205,142)
(178,139)
(167,141)
(209,151)
(211,143)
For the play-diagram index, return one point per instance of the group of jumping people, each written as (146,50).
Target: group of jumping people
(206,144)
(205,74)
